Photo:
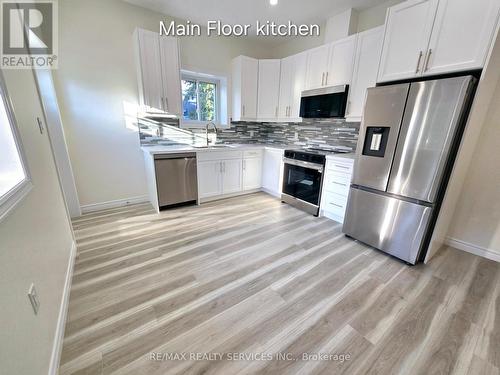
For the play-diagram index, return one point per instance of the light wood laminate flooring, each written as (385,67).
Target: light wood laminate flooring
(255,284)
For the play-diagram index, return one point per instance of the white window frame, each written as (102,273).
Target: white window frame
(9,200)
(202,77)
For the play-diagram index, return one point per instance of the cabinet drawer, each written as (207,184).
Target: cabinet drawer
(340,167)
(334,203)
(253,153)
(337,183)
(218,155)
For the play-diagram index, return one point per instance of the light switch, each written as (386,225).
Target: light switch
(33,296)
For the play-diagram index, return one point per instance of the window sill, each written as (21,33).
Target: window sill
(14,197)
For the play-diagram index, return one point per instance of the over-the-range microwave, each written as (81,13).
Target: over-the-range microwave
(324,102)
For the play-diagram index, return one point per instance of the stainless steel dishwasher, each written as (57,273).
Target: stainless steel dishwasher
(176,179)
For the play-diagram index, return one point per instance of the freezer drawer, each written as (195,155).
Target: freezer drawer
(394,226)
(378,135)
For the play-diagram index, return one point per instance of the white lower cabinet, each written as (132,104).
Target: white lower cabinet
(209,178)
(272,171)
(336,184)
(252,170)
(222,173)
(231,176)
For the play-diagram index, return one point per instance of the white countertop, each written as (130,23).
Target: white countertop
(156,150)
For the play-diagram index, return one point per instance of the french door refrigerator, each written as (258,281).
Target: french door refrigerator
(408,141)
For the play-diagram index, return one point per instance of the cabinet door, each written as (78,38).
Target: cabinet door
(149,69)
(368,48)
(252,173)
(299,82)
(209,178)
(461,36)
(231,176)
(340,62)
(407,33)
(286,83)
(269,88)
(249,76)
(272,171)
(171,74)
(317,65)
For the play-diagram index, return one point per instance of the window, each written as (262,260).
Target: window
(200,99)
(14,178)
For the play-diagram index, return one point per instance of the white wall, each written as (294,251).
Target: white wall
(366,19)
(96,80)
(477,216)
(375,16)
(35,243)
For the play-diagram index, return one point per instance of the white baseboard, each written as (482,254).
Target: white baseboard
(271,192)
(113,204)
(473,249)
(63,311)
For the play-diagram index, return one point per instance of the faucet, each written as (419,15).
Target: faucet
(206,129)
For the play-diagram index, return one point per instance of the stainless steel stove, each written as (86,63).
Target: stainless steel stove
(303,179)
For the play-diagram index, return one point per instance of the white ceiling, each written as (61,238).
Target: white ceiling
(249,11)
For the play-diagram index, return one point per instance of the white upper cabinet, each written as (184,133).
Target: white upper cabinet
(340,61)
(407,33)
(286,86)
(244,88)
(461,36)
(171,74)
(426,37)
(368,48)
(317,66)
(331,64)
(292,82)
(298,84)
(268,89)
(149,68)
(158,71)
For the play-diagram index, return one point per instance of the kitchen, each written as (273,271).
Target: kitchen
(259,200)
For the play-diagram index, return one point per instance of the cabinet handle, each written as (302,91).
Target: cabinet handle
(220,167)
(338,183)
(162,103)
(326,79)
(224,168)
(288,111)
(276,112)
(243,110)
(417,69)
(341,166)
(323,79)
(428,57)
(336,205)
(244,164)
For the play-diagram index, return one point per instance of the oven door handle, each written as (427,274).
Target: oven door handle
(304,164)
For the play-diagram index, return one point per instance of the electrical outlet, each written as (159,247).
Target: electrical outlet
(296,136)
(33,296)
(252,133)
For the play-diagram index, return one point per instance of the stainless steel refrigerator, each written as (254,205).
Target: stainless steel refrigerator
(408,141)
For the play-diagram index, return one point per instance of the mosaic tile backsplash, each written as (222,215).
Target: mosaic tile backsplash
(319,133)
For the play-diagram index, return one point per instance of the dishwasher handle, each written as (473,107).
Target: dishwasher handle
(184,155)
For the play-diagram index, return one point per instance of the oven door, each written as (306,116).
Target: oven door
(302,180)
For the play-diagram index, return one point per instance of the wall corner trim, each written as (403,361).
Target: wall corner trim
(473,249)
(63,312)
(113,204)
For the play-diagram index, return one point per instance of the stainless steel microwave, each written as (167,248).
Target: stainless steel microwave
(324,102)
